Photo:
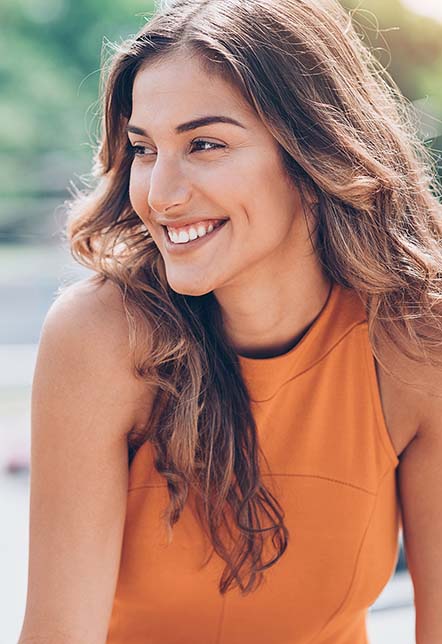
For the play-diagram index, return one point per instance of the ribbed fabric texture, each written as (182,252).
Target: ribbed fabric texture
(331,465)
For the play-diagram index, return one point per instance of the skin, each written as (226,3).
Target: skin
(261,265)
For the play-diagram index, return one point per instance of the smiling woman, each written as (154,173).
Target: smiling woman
(245,399)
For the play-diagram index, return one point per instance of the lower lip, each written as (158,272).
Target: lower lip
(194,243)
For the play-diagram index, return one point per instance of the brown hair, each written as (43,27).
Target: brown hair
(344,134)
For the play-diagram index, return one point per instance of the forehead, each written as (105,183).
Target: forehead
(167,92)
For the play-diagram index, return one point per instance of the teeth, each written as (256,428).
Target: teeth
(193,232)
(183,236)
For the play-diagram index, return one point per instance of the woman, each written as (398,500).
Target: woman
(261,343)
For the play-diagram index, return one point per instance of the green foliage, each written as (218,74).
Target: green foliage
(50,56)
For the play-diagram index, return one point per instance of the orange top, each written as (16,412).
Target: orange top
(332,466)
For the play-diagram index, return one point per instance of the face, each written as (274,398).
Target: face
(214,196)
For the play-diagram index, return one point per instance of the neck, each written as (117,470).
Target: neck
(268,316)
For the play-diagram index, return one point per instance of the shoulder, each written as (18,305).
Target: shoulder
(419,478)
(411,393)
(85,337)
(89,307)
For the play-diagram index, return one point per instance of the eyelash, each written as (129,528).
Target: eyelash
(137,148)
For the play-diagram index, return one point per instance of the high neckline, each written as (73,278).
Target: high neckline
(342,310)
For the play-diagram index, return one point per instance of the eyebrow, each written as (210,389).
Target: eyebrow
(190,125)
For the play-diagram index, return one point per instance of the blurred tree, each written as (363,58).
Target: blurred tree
(49,65)
(49,68)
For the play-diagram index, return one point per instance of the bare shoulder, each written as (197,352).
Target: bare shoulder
(411,394)
(415,403)
(89,306)
(86,333)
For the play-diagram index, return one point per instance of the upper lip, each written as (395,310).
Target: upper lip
(178,223)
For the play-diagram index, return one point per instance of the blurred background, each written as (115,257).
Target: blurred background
(50,58)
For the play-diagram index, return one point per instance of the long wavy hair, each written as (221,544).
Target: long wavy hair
(344,133)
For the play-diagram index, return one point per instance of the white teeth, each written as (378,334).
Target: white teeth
(173,236)
(193,233)
(183,236)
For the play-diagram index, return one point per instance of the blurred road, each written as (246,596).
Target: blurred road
(29,279)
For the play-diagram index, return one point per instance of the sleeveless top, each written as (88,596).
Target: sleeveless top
(331,465)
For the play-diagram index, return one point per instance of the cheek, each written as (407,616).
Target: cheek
(138,191)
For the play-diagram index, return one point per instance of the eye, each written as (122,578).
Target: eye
(202,146)
(204,143)
(139,150)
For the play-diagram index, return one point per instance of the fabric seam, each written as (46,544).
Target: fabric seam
(221,621)
(147,485)
(325,478)
(316,362)
(273,474)
(356,566)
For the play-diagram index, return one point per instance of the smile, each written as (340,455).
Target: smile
(192,236)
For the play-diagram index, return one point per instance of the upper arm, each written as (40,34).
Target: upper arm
(420,488)
(85,399)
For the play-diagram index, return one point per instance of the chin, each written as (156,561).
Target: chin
(189,287)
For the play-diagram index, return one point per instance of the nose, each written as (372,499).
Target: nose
(168,186)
